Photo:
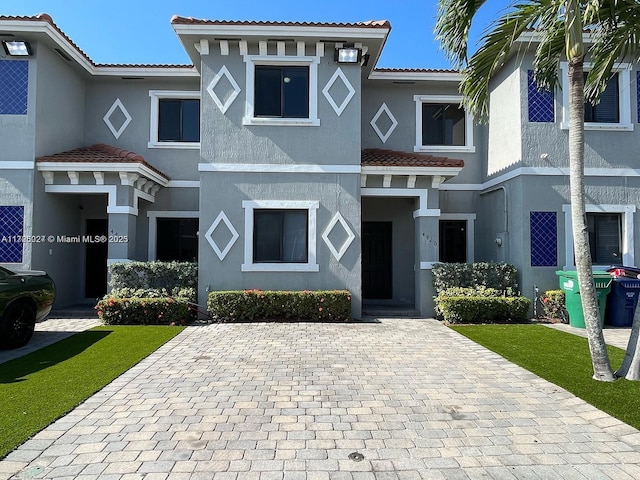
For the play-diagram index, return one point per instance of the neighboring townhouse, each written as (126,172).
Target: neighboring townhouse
(283,159)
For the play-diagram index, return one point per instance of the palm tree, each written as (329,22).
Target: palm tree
(559,27)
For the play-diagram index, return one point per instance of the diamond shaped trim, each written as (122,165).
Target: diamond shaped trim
(211,89)
(541,103)
(11,225)
(339,74)
(222,217)
(107,118)
(394,123)
(338,253)
(14,78)
(544,239)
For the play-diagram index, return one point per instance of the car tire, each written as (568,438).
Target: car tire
(17,325)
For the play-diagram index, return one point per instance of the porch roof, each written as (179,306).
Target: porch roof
(376,157)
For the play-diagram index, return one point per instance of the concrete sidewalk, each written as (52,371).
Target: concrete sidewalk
(618,337)
(297,400)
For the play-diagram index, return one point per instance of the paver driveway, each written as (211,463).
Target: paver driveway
(294,400)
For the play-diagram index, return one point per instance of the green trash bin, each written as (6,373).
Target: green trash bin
(573,301)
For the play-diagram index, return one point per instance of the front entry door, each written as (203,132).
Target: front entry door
(376,260)
(95,284)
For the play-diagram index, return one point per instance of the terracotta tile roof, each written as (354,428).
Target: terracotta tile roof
(197,21)
(99,153)
(45,17)
(416,70)
(375,157)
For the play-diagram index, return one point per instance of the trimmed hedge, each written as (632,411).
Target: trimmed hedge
(251,305)
(143,311)
(154,275)
(186,293)
(553,305)
(500,276)
(479,309)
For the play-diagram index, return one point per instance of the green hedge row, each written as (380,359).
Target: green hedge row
(154,275)
(483,309)
(143,311)
(500,276)
(250,305)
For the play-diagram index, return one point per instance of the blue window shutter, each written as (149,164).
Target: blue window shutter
(544,239)
(540,102)
(14,82)
(11,226)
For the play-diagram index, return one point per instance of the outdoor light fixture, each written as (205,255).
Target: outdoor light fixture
(17,48)
(348,55)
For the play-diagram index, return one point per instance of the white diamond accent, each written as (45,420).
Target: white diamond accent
(127,118)
(325,91)
(394,123)
(337,218)
(222,217)
(236,89)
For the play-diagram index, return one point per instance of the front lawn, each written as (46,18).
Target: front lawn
(40,387)
(563,359)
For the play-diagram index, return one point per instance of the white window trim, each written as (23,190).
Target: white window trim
(471,226)
(277,60)
(468,146)
(624,89)
(249,206)
(156,95)
(153,226)
(627,246)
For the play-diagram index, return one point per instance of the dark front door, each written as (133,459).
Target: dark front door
(376,260)
(95,284)
(453,241)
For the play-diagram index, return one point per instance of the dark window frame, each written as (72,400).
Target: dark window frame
(602,254)
(601,112)
(163,133)
(258,256)
(181,235)
(444,130)
(275,97)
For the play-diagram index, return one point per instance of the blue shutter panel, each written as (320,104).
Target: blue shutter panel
(14,87)
(544,239)
(11,225)
(540,102)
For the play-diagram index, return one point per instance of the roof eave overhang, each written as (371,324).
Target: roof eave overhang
(416,76)
(116,167)
(418,171)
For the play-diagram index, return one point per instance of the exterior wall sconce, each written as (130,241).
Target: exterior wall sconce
(17,48)
(347,55)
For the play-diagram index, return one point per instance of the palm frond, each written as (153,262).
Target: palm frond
(452,28)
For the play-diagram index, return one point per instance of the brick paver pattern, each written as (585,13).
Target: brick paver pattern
(293,400)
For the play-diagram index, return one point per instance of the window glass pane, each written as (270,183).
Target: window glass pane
(296,92)
(191,120)
(280,236)
(605,233)
(295,237)
(169,121)
(267,236)
(177,239)
(268,92)
(443,124)
(607,110)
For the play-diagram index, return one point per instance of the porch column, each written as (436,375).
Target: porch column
(122,237)
(427,252)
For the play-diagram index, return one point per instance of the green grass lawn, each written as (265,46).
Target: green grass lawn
(40,387)
(563,359)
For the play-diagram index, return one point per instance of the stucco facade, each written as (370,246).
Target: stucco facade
(354,177)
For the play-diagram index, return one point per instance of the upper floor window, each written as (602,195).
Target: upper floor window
(442,125)
(174,119)
(613,111)
(281,90)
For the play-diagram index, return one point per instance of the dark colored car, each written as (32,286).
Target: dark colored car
(25,298)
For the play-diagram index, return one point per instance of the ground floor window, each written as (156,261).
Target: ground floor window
(453,241)
(280,235)
(605,237)
(177,239)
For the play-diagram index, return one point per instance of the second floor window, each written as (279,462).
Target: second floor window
(443,124)
(178,120)
(607,110)
(281,91)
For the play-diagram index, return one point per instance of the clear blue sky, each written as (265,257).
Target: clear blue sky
(139,31)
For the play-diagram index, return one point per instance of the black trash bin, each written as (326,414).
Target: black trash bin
(623,299)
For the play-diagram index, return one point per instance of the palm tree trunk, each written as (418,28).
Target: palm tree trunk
(630,368)
(599,357)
